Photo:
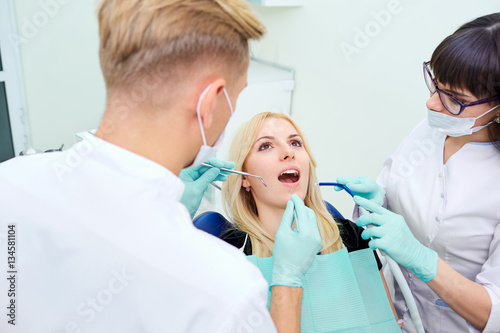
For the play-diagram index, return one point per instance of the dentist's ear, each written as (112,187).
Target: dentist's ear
(206,101)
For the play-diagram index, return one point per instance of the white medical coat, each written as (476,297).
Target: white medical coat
(103,244)
(454,209)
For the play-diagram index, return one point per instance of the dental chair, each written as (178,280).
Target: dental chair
(215,224)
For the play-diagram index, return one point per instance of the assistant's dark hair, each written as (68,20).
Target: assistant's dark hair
(470,59)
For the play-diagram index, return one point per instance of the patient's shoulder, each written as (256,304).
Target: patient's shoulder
(237,238)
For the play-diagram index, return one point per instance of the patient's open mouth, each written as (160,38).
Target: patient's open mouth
(289,176)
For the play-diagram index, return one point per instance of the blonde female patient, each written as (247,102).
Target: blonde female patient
(272,146)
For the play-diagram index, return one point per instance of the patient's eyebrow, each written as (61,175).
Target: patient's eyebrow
(267,137)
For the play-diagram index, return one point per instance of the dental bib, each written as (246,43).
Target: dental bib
(342,292)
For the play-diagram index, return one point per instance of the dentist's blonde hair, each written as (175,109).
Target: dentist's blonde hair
(170,39)
(240,205)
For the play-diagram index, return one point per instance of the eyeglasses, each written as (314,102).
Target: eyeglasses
(453,105)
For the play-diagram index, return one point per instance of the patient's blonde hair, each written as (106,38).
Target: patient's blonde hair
(240,205)
(170,37)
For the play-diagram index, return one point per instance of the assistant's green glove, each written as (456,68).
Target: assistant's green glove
(197,179)
(391,234)
(294,251)
(364,187)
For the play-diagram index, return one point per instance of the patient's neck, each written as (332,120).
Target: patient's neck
(270,216)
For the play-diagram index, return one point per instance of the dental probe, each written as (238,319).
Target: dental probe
(216,186)
(236,172)
(295,215)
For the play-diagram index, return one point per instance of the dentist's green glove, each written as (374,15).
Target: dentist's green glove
(364,187)
(197,179)
(391,234)
(294,251)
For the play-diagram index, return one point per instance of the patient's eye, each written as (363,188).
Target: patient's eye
(296,143)
(265,145)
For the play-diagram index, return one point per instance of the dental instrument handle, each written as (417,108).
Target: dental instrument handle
(336,184)
(229,170)
(295,215)
(216,186)
(296,220)
(236,172)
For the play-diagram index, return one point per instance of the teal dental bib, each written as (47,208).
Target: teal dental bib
(342,292)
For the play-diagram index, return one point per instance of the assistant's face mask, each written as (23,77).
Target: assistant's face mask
(455,126)
(206,152)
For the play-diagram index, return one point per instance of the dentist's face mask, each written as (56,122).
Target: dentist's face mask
(454,126)
(206,152)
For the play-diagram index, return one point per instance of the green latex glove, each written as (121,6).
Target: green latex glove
(197,179)
(391,234)
(364,187)
(294,251)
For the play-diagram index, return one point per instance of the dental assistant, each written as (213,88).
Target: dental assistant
(442,189)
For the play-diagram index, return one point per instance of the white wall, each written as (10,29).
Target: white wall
(59,52)
(354,110)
